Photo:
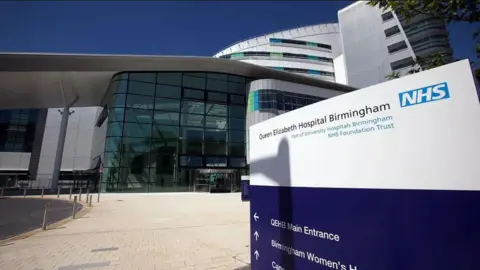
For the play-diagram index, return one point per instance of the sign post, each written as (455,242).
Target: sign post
(385,177)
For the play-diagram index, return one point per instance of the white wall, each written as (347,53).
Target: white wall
(14,161)
(340,70)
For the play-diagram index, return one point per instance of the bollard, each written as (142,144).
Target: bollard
(74,207)
(24,192)
(58,192)
(98,197)
(1,193)
(70,196)
(90,201)
(80,195)
(88,192)
(44,225)
(42,191)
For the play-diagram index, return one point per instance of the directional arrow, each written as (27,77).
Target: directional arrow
(256,235)
(255,216)
(256,254)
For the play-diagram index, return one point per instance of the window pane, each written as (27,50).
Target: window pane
(139,102)
(193,82)
(168,91)
(217,76)
(215,85)
(112,159)
(194,120)
(162,162)
(238,162)
(215,122)
(113,144)
(116,114)
(166,118)
(191,161)
(118,86)
(216,97)
(238,88)
(170,78)
(236,149)
(191,134)
(137,130)
(215,148)
(216,162)
(236,136)
(136,145)
(237,79)
(118,100)
(163,147)
(236,111)
(115,129)
(215,135)
(138,116)
(121,76)
(191,147)
(195,94)
(143,77)
(164,132)
(216,109)
(165,104)
(237,99)
(141,88)
(236,123)
(195,107)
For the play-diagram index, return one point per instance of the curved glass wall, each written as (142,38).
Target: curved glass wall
(174,131)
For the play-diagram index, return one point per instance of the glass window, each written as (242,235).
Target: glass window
(236,149)
(118,86)
(234,78)
(193,82)
(166,118)
(238,162)
(214,135)
(215,148)
(237,123)
(141,88)
(191,134)
(237,99)
(191,147)
(194,120)
(114,129)
(216,97)
(236,136)
(169,78)
(236,111)
(143,77)
(215,85)
(162,163)
(195,107)
(238,88)
(136,145)
(195,94)
(121,76)
(191,161)
(216,162)
(112,159)
(138,116)
(113,144)
(139,102)
(215,122)
(168,91)
(164,132)
(165,104)
(397,47)
(118,100)
(217,76)
(115,114)
(216,109)
(163,146)
(387,16)
(137,130)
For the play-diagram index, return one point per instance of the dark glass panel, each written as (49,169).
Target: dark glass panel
(191,134)
(236,111)
(236,149)
(236,136)
(113,144)
(138,116)
(165,104)
(215,135)
(168,91)
(191,161)
(140,102)
(166,118)
(193,94)
(211,96)
(193,82)
(216,85)
(137,130)
(238,162)
(118,100)
(194,120)
(164,132)
(215,148)
(114,129)
(216,109)
(136,145)
(116,114)
(169,78)
(215,122)
(237,88)
(195,107)
(236,123)
(143,77)
(141,88)
(216,161)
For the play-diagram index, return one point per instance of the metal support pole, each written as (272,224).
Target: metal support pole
(24,192)
(43,188)
(44,225)
(88,193)
(80,195)
(70,196)
(90,201)
(74,210)
(1,193)
(58,192)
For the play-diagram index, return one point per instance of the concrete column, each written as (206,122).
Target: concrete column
(60,145)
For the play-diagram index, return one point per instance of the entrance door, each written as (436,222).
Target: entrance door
(214,180)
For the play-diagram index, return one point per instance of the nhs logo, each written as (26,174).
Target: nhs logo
(423,95)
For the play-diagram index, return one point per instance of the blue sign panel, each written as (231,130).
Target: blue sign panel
(364,229)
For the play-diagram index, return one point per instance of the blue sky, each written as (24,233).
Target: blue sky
(163,28)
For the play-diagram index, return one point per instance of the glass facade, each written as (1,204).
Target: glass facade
(174,131)
(17,129)
(268,99)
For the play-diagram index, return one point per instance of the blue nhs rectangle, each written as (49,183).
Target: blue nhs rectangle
(423,95)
